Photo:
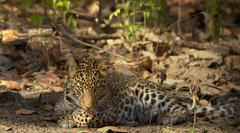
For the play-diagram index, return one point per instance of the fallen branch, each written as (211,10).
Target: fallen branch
(224,47)
(97,20)
(193,45)
(99,37)
(15,37)
(87,18)
(67,34)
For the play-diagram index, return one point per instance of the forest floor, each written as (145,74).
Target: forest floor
(26,114)
(33,65)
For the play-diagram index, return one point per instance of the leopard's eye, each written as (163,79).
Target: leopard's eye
(70,98)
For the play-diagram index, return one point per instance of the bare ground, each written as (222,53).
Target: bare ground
(39,117)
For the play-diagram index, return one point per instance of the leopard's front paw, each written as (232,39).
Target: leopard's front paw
(82,118)
(172,119)
(66,122)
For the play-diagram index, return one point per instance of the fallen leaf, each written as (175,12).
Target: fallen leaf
(173,81)
(201,54)
(168,130)
(9,84)
(26,74)
(233,62)
(46,81)
(226,31)
(57,89)
(235,87)
(214,63)
(204,102)
(147,63)
(112,129)
(24,112)
(49,78)
(149,54)
(146,75)
(10,75)
(6,128)
(210,89)
(183,85)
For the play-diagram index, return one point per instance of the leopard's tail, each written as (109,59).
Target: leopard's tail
(216,112)
(213,112)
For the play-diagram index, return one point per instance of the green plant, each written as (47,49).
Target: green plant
(215,10)
(152,11)
(129,29)
(59,7)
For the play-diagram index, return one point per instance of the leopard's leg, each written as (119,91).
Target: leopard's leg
(63,110)
(172,119)
(83,118)
(174,114)
(66,121)
(162,109)
(162,118)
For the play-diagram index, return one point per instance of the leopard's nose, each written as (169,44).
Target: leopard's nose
(87,99)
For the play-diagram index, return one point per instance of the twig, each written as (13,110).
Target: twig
(179,17)
(194,89)
(99,15)
(87,18)
(88,44)
(193,45)
(99,37)
(194,119)
(15,37)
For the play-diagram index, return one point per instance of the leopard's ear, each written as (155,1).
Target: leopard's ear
(72,66)
(104,66)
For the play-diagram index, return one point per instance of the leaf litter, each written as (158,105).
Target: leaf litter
(40,67)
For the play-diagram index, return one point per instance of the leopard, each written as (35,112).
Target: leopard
(96,98)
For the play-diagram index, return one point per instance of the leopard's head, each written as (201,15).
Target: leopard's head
(86,82)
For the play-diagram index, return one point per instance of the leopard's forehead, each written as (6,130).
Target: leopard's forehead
(87,74)
(87,64)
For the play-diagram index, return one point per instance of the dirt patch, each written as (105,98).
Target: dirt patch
(39,117)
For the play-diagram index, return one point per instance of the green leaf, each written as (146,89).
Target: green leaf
(115,13)
(126,5)
(37,20)
(149,3)
(25,5)
(63,4)
(147,14)
(47,4)
(72,21)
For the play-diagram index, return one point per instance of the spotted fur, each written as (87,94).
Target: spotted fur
(94,99)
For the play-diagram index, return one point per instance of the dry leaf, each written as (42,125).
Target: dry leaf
(146,75)
(173,81)
(226,31)
(233,62)
(147,63)
(57,89)
(204,102)
(10,75)
(49,78)
(24,112)
(210,89)
(8,84)
(112,129)
(152,55)
(46,81)
(201,54)
(6,128)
